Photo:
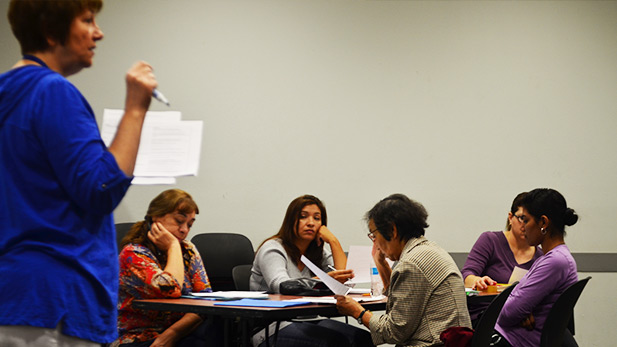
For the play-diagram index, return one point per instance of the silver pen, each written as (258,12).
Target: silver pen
(160,97)
(332,268)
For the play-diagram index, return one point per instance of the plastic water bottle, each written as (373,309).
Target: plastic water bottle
(376,284)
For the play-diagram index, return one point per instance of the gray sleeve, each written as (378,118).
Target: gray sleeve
(326,260)
(271,263)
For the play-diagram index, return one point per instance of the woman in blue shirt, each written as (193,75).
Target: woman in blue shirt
(60,183)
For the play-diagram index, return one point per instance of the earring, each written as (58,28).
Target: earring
(543,231)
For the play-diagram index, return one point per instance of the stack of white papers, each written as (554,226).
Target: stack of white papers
(332,300)
(169,147)
(233,294)
(359,290)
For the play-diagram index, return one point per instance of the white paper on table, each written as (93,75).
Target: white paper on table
(471,292)
(359,290)
(335,286)
(233,294)
(332,300)
(517,274)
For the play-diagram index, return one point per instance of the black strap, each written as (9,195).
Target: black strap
(35,59)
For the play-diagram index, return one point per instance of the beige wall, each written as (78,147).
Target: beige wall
(461,105)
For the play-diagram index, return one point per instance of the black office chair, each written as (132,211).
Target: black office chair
(554,329)
(121,230)
(221,252)
(486,325)
(242,275)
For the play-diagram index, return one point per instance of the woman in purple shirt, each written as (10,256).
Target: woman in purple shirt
(495,254)
(545,215)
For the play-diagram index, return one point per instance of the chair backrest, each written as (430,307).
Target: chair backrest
(486,324)
(221,252)
(560,314)
(121,230)
(242,276)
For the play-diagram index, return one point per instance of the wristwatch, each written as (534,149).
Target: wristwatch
(360,316)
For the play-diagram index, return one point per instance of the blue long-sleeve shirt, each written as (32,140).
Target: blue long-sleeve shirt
(58,187)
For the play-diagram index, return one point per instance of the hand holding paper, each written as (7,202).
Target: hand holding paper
(342,276)
(335,286)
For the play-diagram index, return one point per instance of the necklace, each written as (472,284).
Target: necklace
(35,59)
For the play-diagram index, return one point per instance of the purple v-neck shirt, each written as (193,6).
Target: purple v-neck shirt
(491,256)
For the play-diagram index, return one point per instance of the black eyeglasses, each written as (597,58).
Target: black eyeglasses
(371,234)
(521,218)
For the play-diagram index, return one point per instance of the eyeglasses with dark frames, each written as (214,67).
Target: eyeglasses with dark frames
(371,235)
(521,218)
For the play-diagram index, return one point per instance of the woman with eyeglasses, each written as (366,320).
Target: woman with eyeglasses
(303,232)
(545,214)
(495,255)
(425,289)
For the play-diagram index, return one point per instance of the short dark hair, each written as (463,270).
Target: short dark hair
(550,203)
(33,21)
(408,215)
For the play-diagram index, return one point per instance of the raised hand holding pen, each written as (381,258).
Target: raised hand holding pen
(140,84)
(160,97)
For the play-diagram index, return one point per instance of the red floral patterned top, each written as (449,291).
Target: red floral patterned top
(141,277)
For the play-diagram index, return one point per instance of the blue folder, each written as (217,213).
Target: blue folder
(262,303)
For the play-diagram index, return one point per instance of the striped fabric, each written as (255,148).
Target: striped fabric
(426,296)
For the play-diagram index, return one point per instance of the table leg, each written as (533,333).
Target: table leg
(246,337)
(226,332)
